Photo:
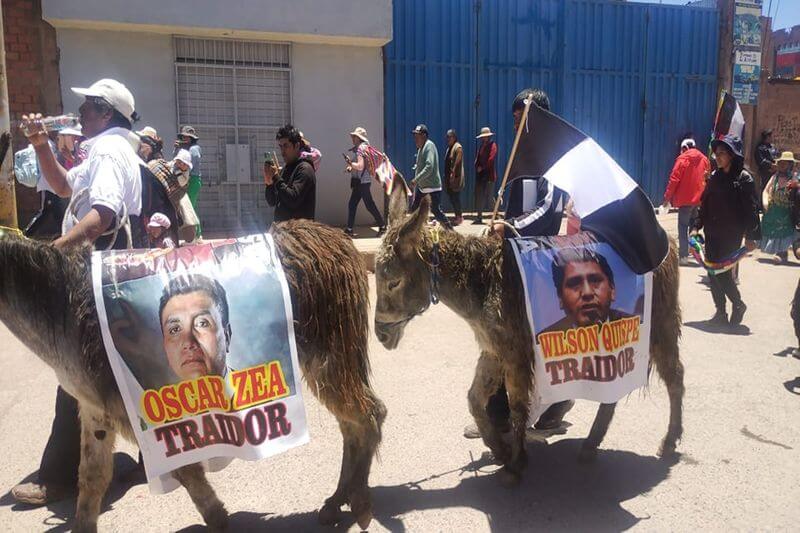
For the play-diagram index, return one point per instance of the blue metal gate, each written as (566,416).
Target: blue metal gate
(636,77)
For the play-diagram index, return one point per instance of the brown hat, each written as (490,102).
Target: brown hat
(787,156)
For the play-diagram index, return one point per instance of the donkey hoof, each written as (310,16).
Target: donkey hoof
(217,519)
(330,514)
(510,478)
(361,507)
(85,527)
(668,450)
(587,455)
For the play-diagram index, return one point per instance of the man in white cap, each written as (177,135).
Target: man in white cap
(686,184)
(106,192)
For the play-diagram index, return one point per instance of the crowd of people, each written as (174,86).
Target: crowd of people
(729,204)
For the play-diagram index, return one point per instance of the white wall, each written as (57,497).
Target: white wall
(335,89)
(362,22)
(142,61)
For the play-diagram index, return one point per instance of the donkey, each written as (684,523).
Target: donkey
(477,277)
(46,300)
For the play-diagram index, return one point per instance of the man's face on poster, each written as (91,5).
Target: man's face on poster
(195,339)
(586,293)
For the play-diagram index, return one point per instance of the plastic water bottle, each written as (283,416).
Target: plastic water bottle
(51,124)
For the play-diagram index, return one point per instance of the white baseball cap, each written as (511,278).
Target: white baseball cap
(113,92)
(185,157)
(688,143)
(159,220)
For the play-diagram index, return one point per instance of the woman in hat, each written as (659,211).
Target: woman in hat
(485,171)
(187,139)
(777,227)
(361,177)
(728,211)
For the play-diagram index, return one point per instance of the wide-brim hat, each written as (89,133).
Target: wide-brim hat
(732,142)
(148,131)
(485,132)
(188,131)
(787,156)
(361,133)
(185,157)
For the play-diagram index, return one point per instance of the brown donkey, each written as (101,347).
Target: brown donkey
(479,280)
(46,301)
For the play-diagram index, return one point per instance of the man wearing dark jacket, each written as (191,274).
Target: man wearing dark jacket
(292,191)
(535,206)
(728,211)
(765,159)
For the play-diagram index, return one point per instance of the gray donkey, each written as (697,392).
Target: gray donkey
(479,280)
(46,301)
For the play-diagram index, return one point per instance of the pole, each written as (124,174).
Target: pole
(528,102)
(8,202)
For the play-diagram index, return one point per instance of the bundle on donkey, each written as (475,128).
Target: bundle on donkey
(478,279)
(46,301)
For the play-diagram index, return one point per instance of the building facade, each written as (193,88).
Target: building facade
(236,71)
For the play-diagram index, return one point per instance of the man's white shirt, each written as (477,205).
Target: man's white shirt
(110,173)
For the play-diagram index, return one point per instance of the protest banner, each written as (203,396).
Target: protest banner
(590,318)
(201,343)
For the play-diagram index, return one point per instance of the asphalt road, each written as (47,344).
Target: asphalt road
(738,470)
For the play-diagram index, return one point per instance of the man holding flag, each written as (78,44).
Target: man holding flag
(610,204)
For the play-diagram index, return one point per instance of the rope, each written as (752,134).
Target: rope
(16,231)
(435,234)
(522,125)
(713,267)
(122,221)
(488,229)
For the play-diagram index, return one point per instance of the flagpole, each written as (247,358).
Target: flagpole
(528,102)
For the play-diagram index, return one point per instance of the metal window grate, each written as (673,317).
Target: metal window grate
(235,93)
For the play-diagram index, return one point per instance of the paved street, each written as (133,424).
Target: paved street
(738,470)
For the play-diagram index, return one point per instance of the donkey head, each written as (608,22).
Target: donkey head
(402,277)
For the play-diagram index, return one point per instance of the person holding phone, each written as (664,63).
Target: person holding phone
(361,177)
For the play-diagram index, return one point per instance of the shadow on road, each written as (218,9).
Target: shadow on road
(556,493)
(793,385)
(63,511)
(708,327)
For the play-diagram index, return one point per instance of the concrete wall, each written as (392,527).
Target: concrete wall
(335,89)
(779,109)
(142,61)
(356,22)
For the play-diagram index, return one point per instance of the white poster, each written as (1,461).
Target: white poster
(590,318)
(201,342)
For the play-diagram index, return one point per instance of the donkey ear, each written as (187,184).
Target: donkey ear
(398,202)
(411,232)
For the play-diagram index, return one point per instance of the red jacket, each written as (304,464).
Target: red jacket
(688,179)
(484,161)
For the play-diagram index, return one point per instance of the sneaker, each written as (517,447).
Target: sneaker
(477,222)
(684,261)
(40,494)
(737,313)
(381,231)
(554,416)
(349,232)
(720,318)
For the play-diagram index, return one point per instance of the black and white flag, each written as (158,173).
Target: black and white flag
(609,203)
(730,119)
